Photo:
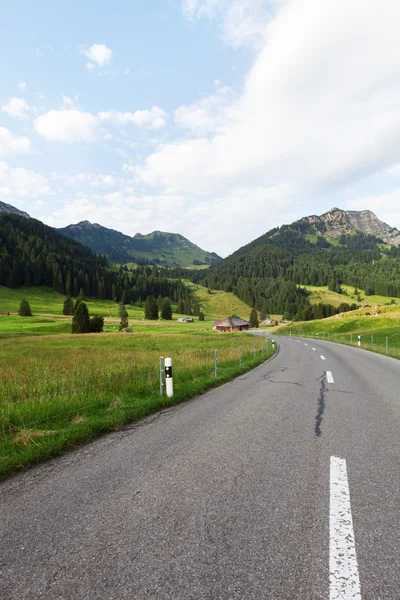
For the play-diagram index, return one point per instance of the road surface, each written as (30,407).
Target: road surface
(283,484)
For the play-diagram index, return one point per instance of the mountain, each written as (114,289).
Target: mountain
(269,272)
(337,222)
(32,253)
(11,210)
(158,247)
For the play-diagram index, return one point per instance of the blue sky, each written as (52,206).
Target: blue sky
(217,119)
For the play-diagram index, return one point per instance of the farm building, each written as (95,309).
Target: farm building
(231,324)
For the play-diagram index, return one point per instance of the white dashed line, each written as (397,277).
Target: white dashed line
(322,357)
(344,581)
(329,377)
(314,349)
(306,344)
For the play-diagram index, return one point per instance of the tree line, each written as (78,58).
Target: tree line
(32,253)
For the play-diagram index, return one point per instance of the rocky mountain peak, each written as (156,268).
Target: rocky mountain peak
(337,222)
(8,208)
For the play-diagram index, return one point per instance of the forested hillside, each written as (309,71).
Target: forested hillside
(157,248)
(269,272)
(32,253)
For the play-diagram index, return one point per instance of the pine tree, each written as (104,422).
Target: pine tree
(68,285)
(68,308)
(122,311)
(151,308)
(201,316)
(124,317)
(124,321)
(166,310)
(81,321)
(253,318)
(25,309)
(159,303)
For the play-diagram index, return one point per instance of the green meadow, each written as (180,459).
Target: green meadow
(59,390)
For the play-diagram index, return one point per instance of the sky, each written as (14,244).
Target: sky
(216,119)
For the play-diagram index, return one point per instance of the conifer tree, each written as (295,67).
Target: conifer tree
(68,308)
(201,316)
(151,308)
(166,310)
(81,321)
(24,309)
(122,311)
(124,321)
(124,317)
(253,318)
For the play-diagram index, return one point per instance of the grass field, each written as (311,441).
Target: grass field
(379,332)
(59,391)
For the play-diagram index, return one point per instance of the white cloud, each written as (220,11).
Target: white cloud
(242,22)
(22,85)
(320,107)
(209,114)
(17,108)
(129,211)
(67,126)
(99,55)
(11,144)
(21,183)
(155,118)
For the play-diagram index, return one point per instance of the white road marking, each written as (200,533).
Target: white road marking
(344,581)
(314,349)
(329,377)
(322,357)
(305,344)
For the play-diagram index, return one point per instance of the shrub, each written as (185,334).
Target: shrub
(96,324)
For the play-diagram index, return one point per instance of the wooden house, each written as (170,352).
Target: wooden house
(231,324)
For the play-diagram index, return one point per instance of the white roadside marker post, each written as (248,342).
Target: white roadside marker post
(161,375)
(215,363)
(255,352)
(240,356)
(168,378)
(387,344)
(359,340)
(273,344)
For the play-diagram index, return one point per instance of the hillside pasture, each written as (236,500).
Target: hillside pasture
(219,304)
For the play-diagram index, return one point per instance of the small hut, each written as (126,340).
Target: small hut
(233,323)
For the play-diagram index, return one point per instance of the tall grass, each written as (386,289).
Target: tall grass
(59,391)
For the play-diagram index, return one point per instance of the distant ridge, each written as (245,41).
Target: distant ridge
(7,208)
(159,247)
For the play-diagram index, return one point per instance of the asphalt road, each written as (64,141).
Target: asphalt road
(234,495)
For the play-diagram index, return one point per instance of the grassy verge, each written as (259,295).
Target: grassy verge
(379,332)
(59,391)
